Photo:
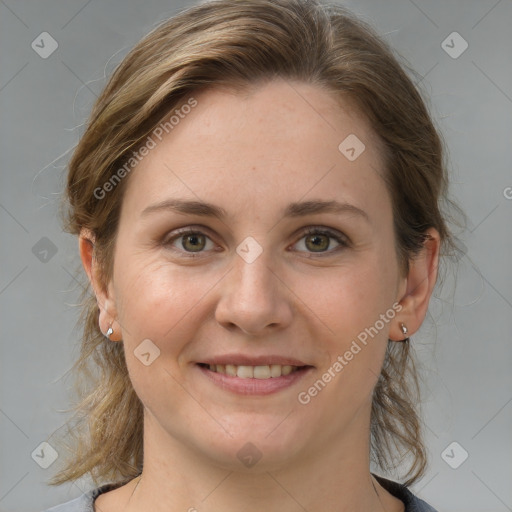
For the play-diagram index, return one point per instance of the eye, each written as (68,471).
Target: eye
(315,240)
(319,240)
(190,241)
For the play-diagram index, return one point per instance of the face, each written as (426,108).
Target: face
(288,265)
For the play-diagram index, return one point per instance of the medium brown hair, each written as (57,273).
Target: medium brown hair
(236,44)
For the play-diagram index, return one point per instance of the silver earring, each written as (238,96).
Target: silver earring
(110,331)
(404,329)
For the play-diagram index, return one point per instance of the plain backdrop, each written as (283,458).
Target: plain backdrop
(464,346)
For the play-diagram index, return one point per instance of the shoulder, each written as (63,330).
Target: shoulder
(412,503)
(85,502)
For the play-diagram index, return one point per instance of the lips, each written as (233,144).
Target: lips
(254,374)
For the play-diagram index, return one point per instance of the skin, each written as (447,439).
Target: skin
(252,154)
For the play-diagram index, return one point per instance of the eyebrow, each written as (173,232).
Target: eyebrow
(318,206)
(187,207)
(298,209)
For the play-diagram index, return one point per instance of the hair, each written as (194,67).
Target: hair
(223,43)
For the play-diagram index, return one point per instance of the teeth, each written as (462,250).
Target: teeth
(262,372)
(245,372)
(285,370)
(231,370)
(253,372)
(275,370)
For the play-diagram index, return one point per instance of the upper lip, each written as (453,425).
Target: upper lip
(245,360)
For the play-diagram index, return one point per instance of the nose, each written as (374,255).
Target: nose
(254,298)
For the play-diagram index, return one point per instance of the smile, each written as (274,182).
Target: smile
(261,379)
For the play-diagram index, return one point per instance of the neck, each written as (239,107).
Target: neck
(336,478)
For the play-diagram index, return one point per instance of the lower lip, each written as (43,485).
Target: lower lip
(254,386)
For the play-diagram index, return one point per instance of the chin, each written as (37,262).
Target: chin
(256,445)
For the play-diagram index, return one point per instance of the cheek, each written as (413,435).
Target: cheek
(158,300)
(350,299)
(161,304)
(356,309)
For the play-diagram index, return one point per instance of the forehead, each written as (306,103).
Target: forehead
(279,140)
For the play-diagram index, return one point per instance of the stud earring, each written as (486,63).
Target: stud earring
(110,331)
(404,329)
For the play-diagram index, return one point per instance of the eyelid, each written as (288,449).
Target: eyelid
(326,231)
(192,229)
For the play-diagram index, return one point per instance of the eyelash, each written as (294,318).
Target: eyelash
(342,240)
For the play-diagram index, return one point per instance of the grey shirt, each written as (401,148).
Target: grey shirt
(85,503)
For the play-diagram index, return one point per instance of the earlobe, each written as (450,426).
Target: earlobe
(420,281)
(405,332)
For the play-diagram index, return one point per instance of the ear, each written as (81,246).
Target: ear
(102,291)
(417,287)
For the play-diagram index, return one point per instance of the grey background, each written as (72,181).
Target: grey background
(465,343)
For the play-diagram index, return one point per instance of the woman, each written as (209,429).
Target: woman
(257,200)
